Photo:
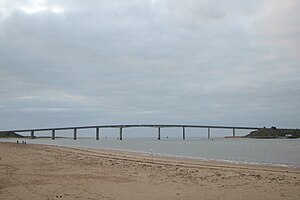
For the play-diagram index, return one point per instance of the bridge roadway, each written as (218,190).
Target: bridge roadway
(121,127)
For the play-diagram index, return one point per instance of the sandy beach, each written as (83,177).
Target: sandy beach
(51,172)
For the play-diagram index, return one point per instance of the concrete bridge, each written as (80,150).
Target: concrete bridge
(121,127)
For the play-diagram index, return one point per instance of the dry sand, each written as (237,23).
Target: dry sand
(51,172)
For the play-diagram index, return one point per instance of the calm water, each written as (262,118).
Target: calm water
(256,151)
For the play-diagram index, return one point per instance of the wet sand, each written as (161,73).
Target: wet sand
(50,172)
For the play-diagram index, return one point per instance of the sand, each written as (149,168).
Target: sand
(50,172)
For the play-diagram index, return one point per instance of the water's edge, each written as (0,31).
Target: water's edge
(226,150)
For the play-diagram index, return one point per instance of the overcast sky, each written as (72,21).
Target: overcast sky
(208,62)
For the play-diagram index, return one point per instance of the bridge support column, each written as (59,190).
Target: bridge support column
(75,134)
(183,133)
(32,134)
(158,133)
(233,132)
(53,134)
(208,133)
(97,133)
(121,133)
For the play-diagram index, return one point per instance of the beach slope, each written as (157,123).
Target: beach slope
(50,172)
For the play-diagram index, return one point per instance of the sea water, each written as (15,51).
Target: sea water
(282,152)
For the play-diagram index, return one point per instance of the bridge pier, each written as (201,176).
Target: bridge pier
(121,134)
(97,133)
(53,134)
(75,134)
(32,134)
(233,132)
(183,133)
(158,136)
(208,133)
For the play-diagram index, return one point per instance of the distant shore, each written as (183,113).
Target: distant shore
(10,134)
(50,172)
(266,133)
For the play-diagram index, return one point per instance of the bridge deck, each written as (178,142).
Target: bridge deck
(134,126)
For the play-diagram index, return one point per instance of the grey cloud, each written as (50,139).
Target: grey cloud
(166,61)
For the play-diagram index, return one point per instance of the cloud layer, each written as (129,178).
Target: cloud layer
(153,61)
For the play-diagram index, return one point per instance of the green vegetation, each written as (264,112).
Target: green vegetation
(10,135)
(274,133)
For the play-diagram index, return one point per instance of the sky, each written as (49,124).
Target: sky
(99,62)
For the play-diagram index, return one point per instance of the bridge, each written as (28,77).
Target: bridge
(121,127)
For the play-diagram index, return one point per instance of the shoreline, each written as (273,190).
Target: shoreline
(37,171)
(226,161)
(181,160)
(217,160)
(186,158)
